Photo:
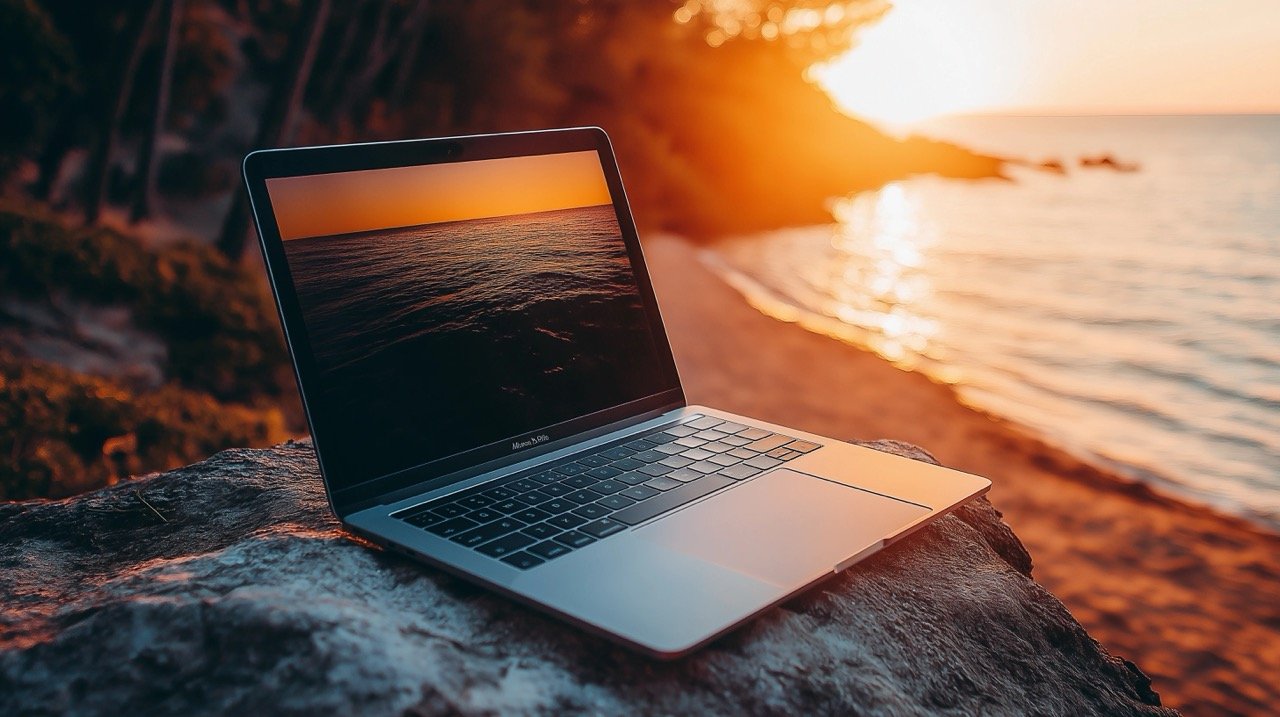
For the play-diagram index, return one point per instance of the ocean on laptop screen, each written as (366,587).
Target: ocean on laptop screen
(452,306)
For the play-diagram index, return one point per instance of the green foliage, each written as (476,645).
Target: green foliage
(215,317)
(37,69)
(66,432)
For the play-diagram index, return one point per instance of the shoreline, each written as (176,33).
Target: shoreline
(1188,592)
(1130,476)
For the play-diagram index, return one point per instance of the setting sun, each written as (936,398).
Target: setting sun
(928,58)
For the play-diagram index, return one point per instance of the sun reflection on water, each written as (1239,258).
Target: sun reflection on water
(875,278)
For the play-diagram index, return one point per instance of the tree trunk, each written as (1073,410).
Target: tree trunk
(148,154)
(139,28)
(280,113)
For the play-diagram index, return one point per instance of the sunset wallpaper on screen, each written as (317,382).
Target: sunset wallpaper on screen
(454,305)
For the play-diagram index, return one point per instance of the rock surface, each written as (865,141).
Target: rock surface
(227,586)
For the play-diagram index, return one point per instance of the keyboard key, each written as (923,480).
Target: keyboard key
(674,498)
(682,431)
(448,510)
(499,494)
(755,434)
(783,454)
(724,459)
(697,454)
(591,511)
(656,469)
(675,461)
(426,518)
(594,461)
(522,485)
(690,442)
(710,435)
(763,462)
(743,453)
(506,545)
(765,445)
(649,456)
(557,505)
(531,515)
(574,539)
(633,478)
(803,446)
(508,506)
(735,440)
(684,475)
(475,501)
(487,532)
(639,444)
(704,423)
(452,527)
(540,531)
(661,437)
(545,477)
(556,490)
(626,464)
(603,472)
(484,515)
(728,427)
(570,469)
(663,483)
(602,528)
(581,481)
(564,521)
(670,449)
(549,549)
(582,496)
(616,453)
(534,497)
(523,560)
(615,502)
(739,472)
(705,467)
(608,487)
(639,492)
(717,447)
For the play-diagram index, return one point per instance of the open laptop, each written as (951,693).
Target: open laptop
(490,391)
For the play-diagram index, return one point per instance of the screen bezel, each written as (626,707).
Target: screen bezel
(262,165)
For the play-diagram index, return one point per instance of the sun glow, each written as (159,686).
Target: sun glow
(922,60)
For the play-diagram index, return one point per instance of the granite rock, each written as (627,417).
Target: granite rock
(228,587)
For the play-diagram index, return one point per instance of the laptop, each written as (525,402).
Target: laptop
(490,391)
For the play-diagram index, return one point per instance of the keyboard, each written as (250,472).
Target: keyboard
(542,514)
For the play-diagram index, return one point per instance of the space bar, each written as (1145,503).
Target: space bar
(673,498)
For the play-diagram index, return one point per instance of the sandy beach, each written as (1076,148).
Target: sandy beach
(1190,595)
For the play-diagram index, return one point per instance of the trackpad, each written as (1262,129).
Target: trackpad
(784,527)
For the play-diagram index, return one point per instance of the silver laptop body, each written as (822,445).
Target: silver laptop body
(490,392)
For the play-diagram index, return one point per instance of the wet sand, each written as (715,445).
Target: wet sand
(1191,596)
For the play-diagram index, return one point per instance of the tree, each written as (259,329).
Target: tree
(138,32)
(280,113)
(148,154)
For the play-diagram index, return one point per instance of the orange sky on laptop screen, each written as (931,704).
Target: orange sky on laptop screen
(346,202)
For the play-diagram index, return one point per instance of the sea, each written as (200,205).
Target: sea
(1128,312)
(433,339)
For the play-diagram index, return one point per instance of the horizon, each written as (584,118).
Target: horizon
(926,59)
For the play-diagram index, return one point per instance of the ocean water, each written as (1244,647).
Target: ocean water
(1130,317)
(443,337)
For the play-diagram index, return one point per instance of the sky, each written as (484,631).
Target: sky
(933,57)
(324,204)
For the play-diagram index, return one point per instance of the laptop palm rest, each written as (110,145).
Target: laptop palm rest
(785,527)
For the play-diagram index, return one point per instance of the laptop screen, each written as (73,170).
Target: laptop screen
(460,305)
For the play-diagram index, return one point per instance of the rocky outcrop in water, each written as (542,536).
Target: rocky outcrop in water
(228,587)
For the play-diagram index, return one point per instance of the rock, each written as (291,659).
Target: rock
(228,587)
